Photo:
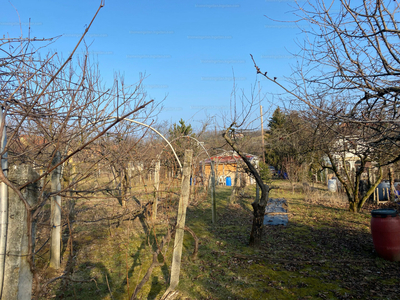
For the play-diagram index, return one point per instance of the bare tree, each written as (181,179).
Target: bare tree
(258,204)
(292,170)
(349,160)
(347,70)
(242,112)
(52,106)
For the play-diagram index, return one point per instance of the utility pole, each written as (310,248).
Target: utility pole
(262,123)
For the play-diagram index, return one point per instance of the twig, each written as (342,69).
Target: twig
(154,264)
(196,242)
(108,285)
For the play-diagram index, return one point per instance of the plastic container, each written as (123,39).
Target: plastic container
(383,191)
(332,185)
(385,229)
(228,181)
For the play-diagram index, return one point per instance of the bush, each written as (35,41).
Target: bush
(265,172)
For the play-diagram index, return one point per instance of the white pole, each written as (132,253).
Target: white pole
(55,247)
(156,186)
(3,203)
(151,128)
(180,222)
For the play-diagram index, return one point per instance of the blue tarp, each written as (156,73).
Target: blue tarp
(273,210)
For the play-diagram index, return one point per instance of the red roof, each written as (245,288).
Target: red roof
(231,159)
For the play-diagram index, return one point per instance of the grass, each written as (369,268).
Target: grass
(325,252)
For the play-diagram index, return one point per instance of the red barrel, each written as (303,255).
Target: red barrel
(385,228)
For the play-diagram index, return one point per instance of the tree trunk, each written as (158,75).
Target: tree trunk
(257,193)
(257,228)
(371,190)
(353,207)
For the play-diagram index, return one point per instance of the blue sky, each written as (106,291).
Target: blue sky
(188,49)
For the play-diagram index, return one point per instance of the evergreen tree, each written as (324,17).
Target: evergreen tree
(289,140)
(177,132)
(278,120)
(181,130)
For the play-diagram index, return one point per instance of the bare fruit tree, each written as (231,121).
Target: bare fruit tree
(347,71)
(55,108)
(258,204)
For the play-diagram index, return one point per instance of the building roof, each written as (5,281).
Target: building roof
(226,158)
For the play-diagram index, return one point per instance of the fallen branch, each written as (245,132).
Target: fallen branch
(196,242)
(131,214)
(108,285)
(277,213)
(154,264)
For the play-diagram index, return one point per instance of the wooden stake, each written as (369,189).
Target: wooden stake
(180,222)
(213,203)
(156,186)
(55,247)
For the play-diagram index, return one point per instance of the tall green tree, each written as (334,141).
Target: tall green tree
(181,129)
(180,135)
(289,144)
(278,120)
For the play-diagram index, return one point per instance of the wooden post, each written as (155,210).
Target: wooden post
(55,218)
(139,167)
(326,176)
(262,130)
(156,186)
(130,167)
(124,186)
(180,221)
(212,190)
(235,187)
(203,175)
(3,203)
(17,272)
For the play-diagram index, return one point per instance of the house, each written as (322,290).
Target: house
(228,165)
(348,150)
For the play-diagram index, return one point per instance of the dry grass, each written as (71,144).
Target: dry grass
(325,252)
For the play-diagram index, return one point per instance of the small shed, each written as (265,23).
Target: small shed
(228,165)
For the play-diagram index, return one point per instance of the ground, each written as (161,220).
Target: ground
(325,252)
